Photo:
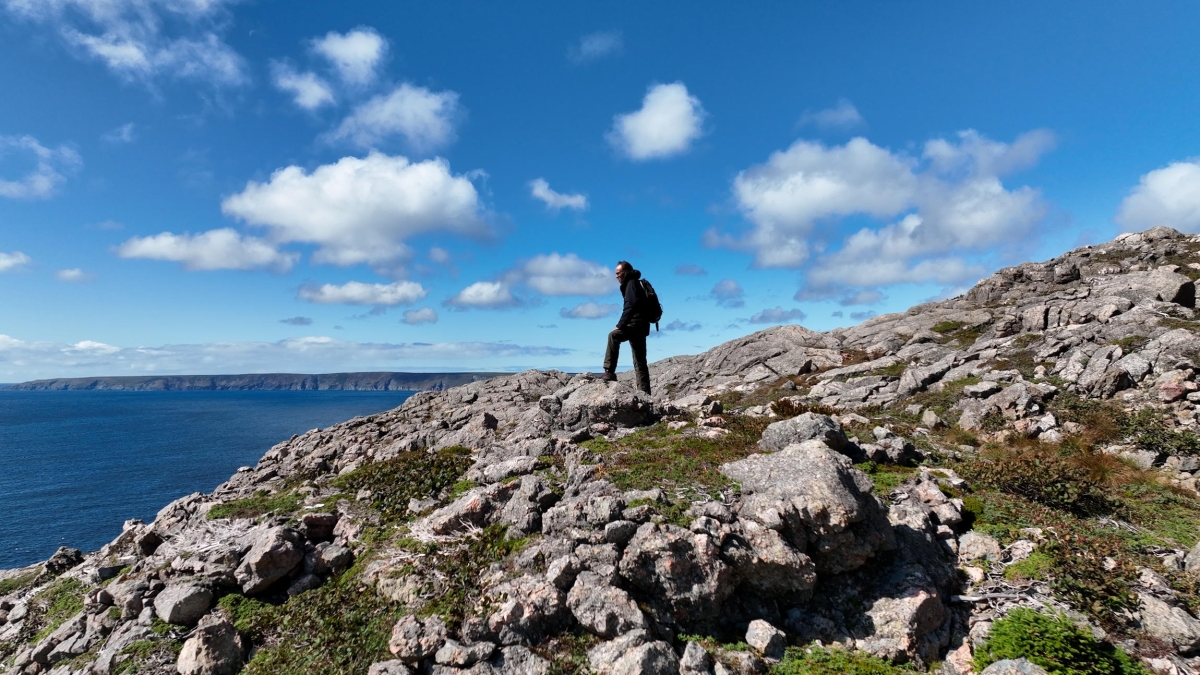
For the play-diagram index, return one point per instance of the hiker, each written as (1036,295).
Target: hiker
(633,327)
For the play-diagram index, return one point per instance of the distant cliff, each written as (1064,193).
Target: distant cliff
(260,382)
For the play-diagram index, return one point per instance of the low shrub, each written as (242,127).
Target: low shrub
(1037,566)
(821,661)
(788,408)
(1054,643)
(282,503)
(15,583)
(59,601)
(1044,478)
(409,475)
(1149,432)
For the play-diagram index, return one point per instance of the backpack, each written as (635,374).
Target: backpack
(653,308)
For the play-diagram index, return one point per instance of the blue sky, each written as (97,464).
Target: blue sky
(207,186)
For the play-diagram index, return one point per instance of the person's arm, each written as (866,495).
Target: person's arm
(631,299)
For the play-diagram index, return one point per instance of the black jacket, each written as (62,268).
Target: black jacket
(632,317)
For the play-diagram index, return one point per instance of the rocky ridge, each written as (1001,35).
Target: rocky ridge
(786,489)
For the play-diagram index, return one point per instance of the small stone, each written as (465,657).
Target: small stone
(413,640)
(1014,667)
(619,532)
(978,546)
(393,667)
(455,653)
(214,649)
(766,639)
(931,420)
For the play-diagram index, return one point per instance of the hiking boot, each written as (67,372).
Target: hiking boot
(608,376)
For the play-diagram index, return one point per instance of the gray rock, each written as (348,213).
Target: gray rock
(619,531)
(214,649)
(602,609)
(978,546)
(331,558)
(1014,667)
(273,554)
(527,608)
(183,604)
(454,653)
(695,661)
(512,661)
(393,667)
(677,570)
(633,654)
(413,639)
(318,526)
(1172,625)
(805,427)
(981,390)
(931,420)
(902,623)
(589,402)
(1191,563)
(766,639)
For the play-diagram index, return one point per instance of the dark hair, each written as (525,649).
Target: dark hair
(625,264)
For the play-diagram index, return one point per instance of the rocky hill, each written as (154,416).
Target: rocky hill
(258,382)
(1004,482)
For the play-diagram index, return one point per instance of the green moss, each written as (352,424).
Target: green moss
(61,600)
(1130,343)
(160,627)
(945,327)
(138,653)
(461,488)
(15,583)
(1037,566)
(894,370)
(282,503)
(114,613)
(821,661)
(409,475)
(885,477)
(1054,643)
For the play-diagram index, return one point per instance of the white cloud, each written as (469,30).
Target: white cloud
(358,293)
(122,134)
(413,317)
(308,90)
(26,360)
(595,46)
(728,293)
(354,55)
(484,295)
(361,210)
(74,275)
(690,270)
(669,120)
(1169,196)
(842,116)
(297,321)
(223,249)
(424,118)
(948,203)
(555,201)
(778,315)
(47,174)
(439,255)
(683,326)
(13,261)
(589,310)
(144,39)
(568,274)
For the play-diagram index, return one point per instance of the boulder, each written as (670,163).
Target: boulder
(318,526)
(633,654)
(1014,667)
(766,639)
(62,560)
(805,427)
(274,553)
(527,608)
(1172,625)
(602,609)
(454,653)
(678,571)
(901,623)
(695,660)
(413,639)
(393,667)
(214,649)
(818,501)
(580,405)
(978,546)
(183,603)
(512,661)
(1191,563)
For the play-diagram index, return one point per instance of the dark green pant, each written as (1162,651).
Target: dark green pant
(637,344)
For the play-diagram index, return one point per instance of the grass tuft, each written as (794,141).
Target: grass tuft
(282,503)
(821,661)
(1054,643)
(409,475)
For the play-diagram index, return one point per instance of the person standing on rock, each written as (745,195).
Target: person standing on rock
(633,327)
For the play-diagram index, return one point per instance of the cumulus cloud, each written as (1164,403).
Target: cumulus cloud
(144,39)
(47,173)
(361,210)
(10,262)
(308,90)
(589,310)
(297,321)
(862,316)
(728,293)
(413,317)
(223,249)
(595,46)
(686,326)
(690,270)
(1169,196)
(778,315)
(556,274)
(74,275)
(424,118)
(556,201)
(943,205)
(669,120)
(122,134)
(355,54)
(842,116)
(358,293)
(484,295)
(861,297)
(25,360)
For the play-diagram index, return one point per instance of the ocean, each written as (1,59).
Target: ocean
(74,465)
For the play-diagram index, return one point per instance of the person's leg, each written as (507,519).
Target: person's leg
(615,338)
(637,345)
